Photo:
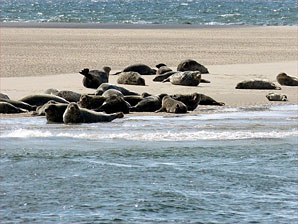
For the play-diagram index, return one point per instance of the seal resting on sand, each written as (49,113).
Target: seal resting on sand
(7,108)
(54,112)
(115,104)
(190,100)
(207,100)
(276,97)
(162,77)
(188,78)
(148,104)
(285,80)
(73,114)
(4,96)
(130,78)
(91,102)
(105,86)
(191,65)
(94,78)
(170,105)
(41,99)
(19,104)
(162,69)
(256,84)
(142,69)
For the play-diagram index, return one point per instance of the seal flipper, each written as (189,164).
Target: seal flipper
(85,72)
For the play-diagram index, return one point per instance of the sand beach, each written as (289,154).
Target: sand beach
(35,57)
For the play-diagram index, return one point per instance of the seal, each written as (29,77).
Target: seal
(191,65)
(40,110)
(105,86)
(7,108)
(69,95)
(91,102)
(170,105)
(276,97)
(142,69)
(54,112)
(285,80)
(41,99)
(162,77)
(162,69)
(130,78)
(112,92)
(133,100)
(51,91)
(188,78)
(92,79)
(115,104)
(19,104)
(256,84)
(190,100)
(207,100)
(4,96)
(73,114)
(148,104)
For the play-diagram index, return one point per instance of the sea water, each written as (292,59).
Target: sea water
(236,165)
(202,12)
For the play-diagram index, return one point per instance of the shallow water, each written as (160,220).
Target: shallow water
(232,166)
(212,12)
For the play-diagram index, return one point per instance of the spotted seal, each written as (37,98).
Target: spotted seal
(257,84)
(130,78)
(74,114)
(285,80)
(92,79)
(7,108)
(105,86)
(276,97)
(191,65)
(170,105)
(41,99)
(188,78)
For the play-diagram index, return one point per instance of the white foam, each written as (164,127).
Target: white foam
(23,133)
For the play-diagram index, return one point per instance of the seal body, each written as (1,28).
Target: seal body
(162,69)
(142,69)
(256,84)
(163,76)
(148,104)
(207,100)
(73,114)
(68,95)
(94,78)
(105,86)
(115,104)
(185,78)
(170,105)
(19,104)
(4,96)
(191,65)
(7,108)
(190,100)
(276,97)
(130,78)
(285,80)
(54,112)
(41,99)
(91,102)
(133,100)
(112,92)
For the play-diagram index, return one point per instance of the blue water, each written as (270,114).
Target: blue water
(234,165)
(202,12)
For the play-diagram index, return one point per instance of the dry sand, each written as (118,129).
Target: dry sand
(34,59)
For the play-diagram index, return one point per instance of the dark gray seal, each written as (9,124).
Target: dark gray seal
(142,69)
(170,105)
(256,84)
(276,97)
(69,95)
(41,99)
(133,100)
(74,114)
(54,112)
(40,110)
(191,65)
(190,100)
(130,78)
(162,69)
(112,92)
(4,96)
(285,80)
(148,104)
(7,108)
(105,86)
(162,77)
(115,104)
(19,104)
(91,102)
(207,100)
(92,79)
(188,78)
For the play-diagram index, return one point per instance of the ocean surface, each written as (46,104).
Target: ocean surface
(201,12)
(235,165)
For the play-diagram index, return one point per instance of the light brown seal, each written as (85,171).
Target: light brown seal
(130,78)
(73,114)
(170,105)
(191,65)
(256,84)
(285,80)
